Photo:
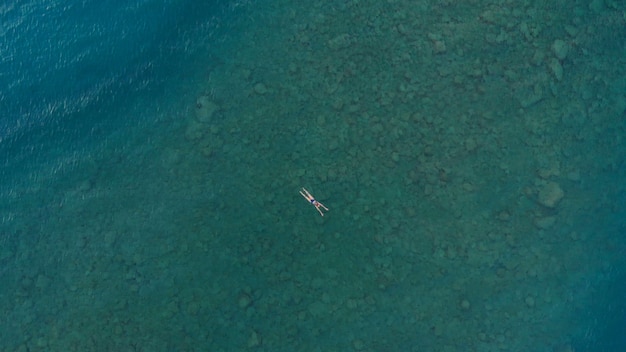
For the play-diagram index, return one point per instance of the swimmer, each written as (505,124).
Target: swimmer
(312,200)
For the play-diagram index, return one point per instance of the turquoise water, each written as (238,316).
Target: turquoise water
(471,157)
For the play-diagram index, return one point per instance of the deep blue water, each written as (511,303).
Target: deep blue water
(60,57)
(67,66)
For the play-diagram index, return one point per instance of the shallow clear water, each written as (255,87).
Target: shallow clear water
(471,157)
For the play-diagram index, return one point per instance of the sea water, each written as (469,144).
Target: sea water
(65,65)
(471,157)
(77,79)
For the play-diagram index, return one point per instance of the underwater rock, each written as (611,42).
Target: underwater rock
(560,49)
(205,108)
(545,222)
(550,194)
(557,69)
(260,88)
